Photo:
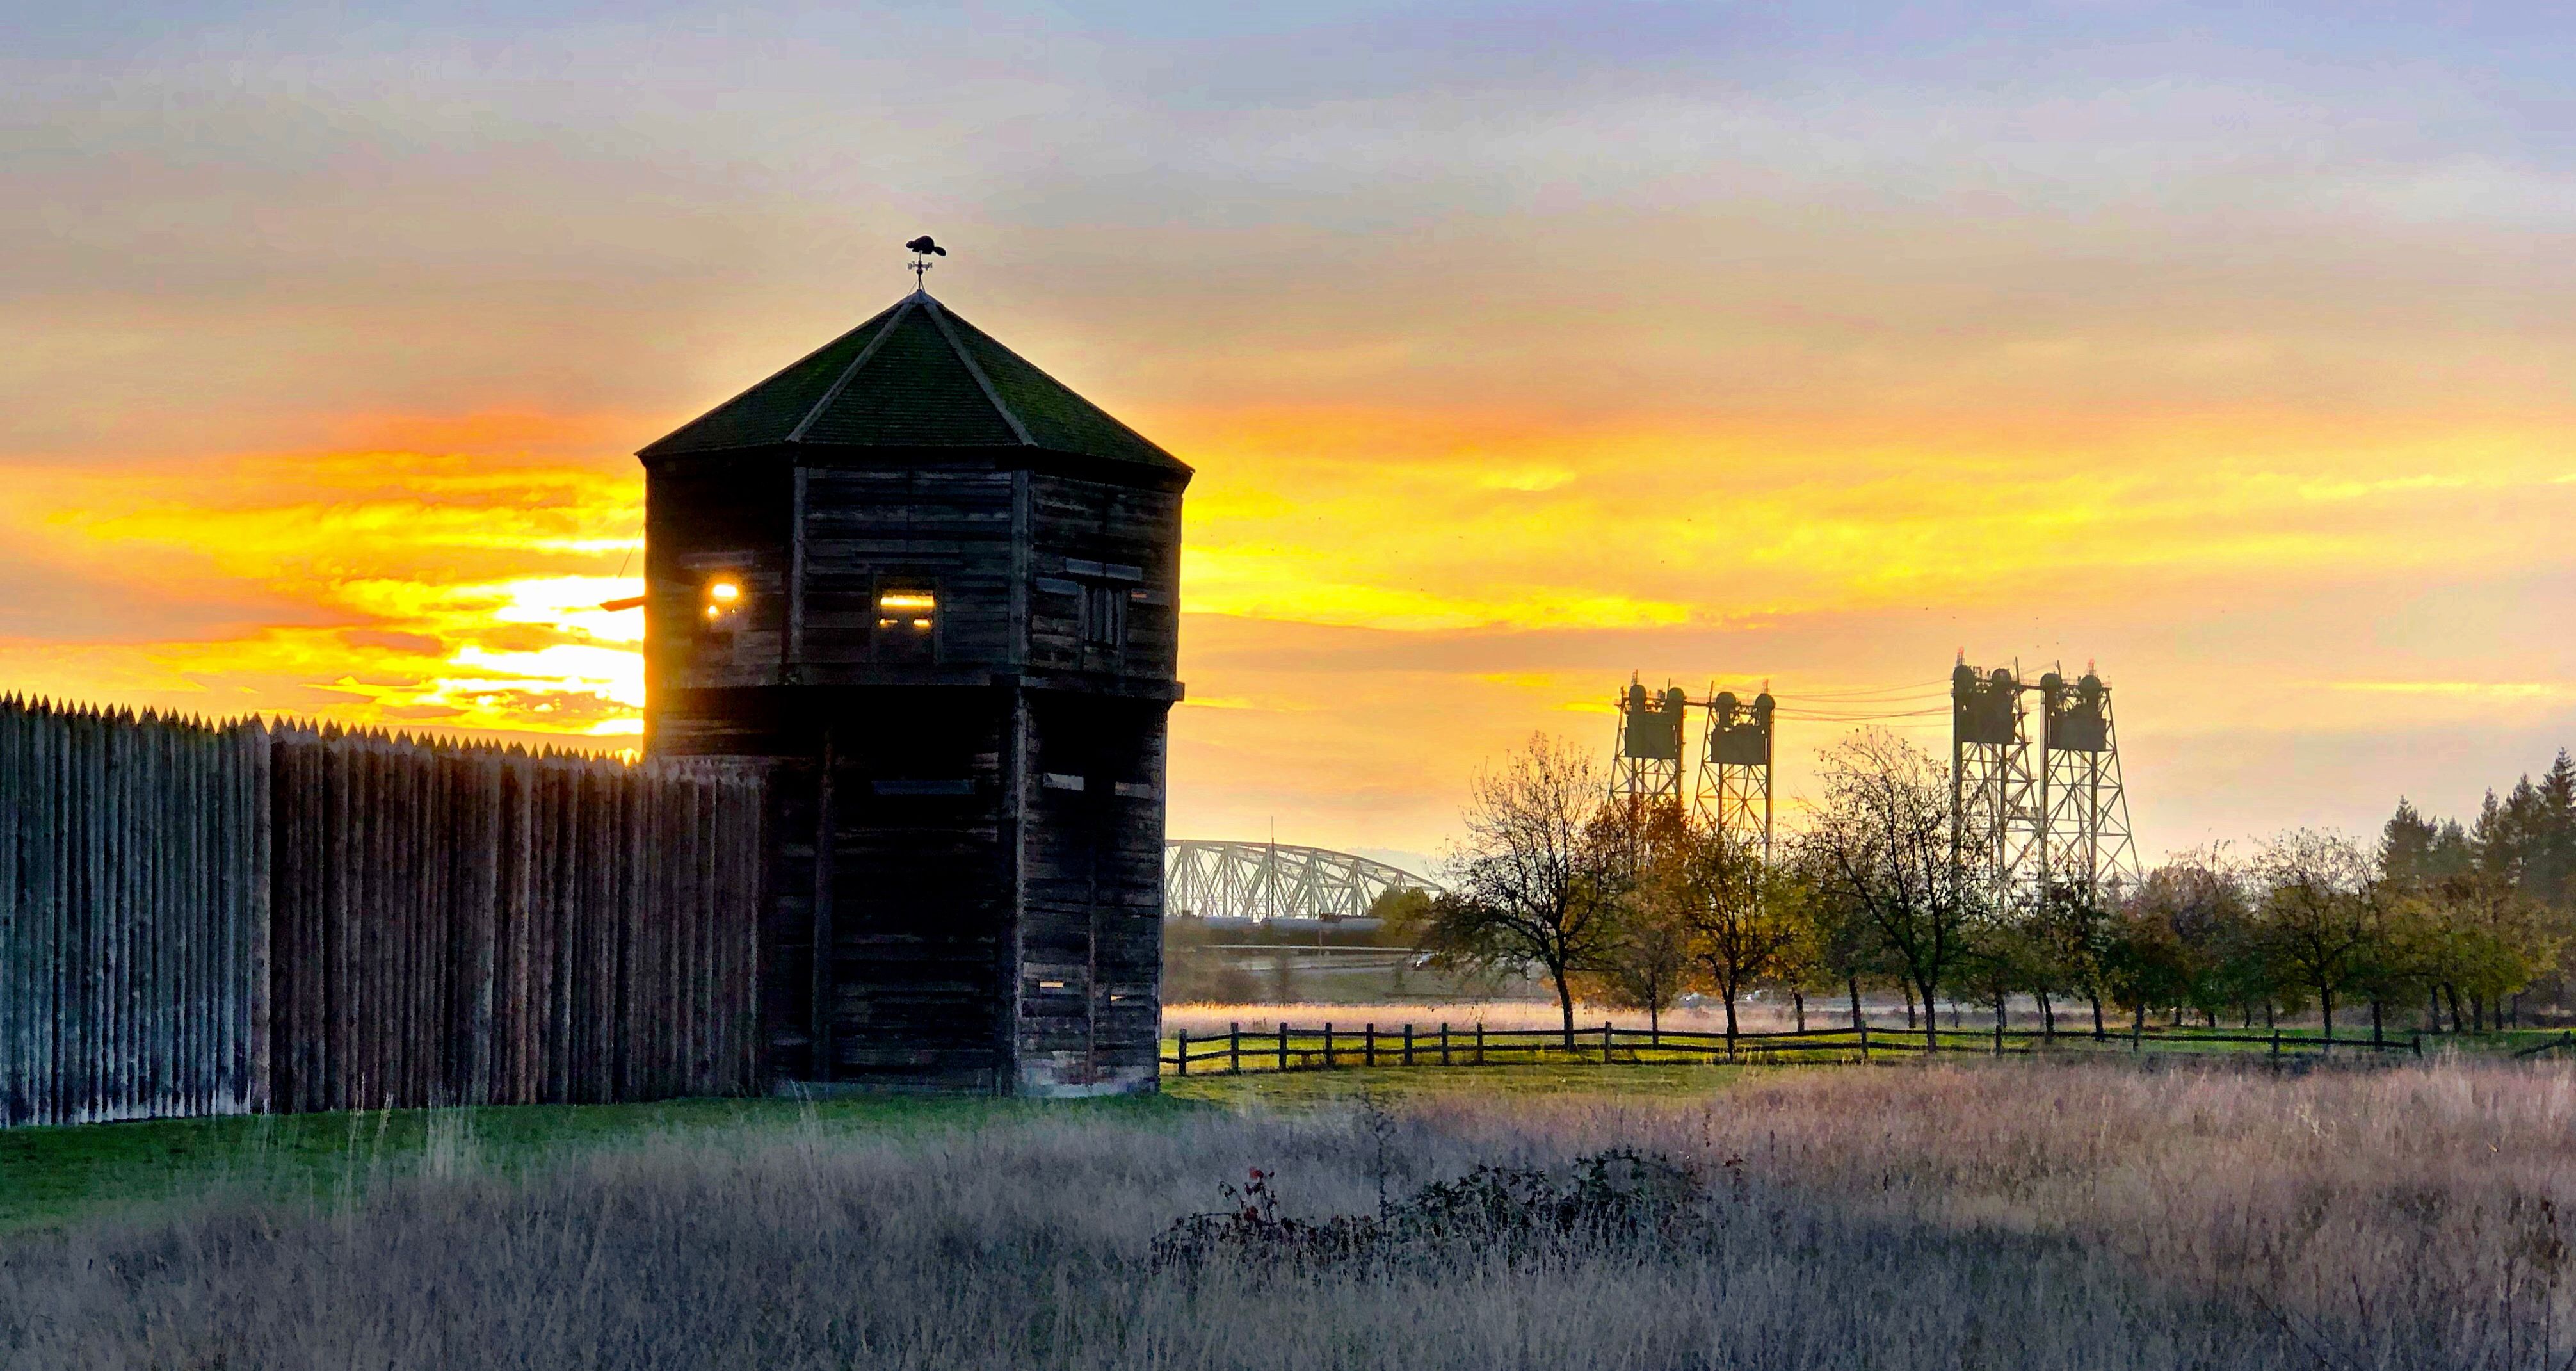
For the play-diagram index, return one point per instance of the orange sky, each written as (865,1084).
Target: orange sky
(1508,367)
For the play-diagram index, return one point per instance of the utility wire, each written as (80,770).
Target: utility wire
(1862,718)
(1868,694)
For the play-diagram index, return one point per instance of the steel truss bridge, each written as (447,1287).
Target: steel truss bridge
(1264,881)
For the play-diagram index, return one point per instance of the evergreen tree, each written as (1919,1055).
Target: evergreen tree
(2549,872)
(2406,845)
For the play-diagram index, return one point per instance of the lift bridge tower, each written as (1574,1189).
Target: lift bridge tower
(2083,836)
(1646,768)
(1994,794)
(1734,793)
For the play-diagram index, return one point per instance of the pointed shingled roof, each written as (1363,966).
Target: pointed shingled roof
(915,376)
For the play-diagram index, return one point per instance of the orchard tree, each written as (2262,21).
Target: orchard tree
(1746,923)
(2317,913)
(2071,928)
(1540,880)
(2484,939)
(1842,948)
(1646,965)
(1891,851)
(2182,932)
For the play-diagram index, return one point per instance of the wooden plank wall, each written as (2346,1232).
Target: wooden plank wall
(949,529)
(211,919)
(1090,934)
(1078,521)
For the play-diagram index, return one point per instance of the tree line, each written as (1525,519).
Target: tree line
(1889,885)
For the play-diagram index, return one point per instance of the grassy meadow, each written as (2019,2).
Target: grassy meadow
(1953,1214)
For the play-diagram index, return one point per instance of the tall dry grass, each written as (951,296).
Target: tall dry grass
(1956,1215)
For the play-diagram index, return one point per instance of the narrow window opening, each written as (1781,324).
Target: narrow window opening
(907,624)
(1104,616)
(721,604)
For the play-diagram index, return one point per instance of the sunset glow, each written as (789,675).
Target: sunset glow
(1715,347)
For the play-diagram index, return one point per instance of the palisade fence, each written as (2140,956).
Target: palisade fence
(1289,1047)
(218,919)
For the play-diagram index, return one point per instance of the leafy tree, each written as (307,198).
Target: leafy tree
(1746,924)
(1842,947)
(1648,962)
(1890,850)
(1401,909)
(2003,956)
(2071,933)
(1646,967)
(2146,965)
(2318,916)
(2483,937)
(1541,877)
(2201,898)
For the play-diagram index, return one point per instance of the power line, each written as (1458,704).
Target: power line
(1934,690)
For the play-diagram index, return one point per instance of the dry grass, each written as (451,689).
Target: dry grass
(1956,1215)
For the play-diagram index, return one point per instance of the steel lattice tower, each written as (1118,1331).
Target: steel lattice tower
(1734,793)
(2084,838)
(1647,765)
(1993,791)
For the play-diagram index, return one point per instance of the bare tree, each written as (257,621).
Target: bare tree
(1890,851)
(1539,882)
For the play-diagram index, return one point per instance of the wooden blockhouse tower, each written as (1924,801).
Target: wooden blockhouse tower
(939,590)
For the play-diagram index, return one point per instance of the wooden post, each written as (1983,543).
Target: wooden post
(1283,1044)
(820,994)
(1234,1047)
(2276,1038)
(1408,1042)
(1328,1044)
(1480,1042)
(1605,1042)
(1444,1042)
(1368,1041)
(1184,1052)
(1864,1037)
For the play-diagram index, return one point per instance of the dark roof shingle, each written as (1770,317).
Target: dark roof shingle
(914,376)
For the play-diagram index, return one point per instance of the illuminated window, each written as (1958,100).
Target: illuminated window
(907,624)
(723,604)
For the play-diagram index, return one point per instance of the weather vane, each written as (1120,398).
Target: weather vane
(922,250)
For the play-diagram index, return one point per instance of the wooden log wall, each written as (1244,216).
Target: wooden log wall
(132,900)
(199,920)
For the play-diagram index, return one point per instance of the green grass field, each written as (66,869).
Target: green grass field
(49,1175)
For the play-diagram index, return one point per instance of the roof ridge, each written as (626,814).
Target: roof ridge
(841,383)
(1005,349)
(939,316)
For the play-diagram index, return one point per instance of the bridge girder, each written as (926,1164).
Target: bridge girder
(1264,881)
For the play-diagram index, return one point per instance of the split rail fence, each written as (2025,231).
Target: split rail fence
(1287,1047)
(216,919)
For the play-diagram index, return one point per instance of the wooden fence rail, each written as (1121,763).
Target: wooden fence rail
(212,919)
(1286,1047)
